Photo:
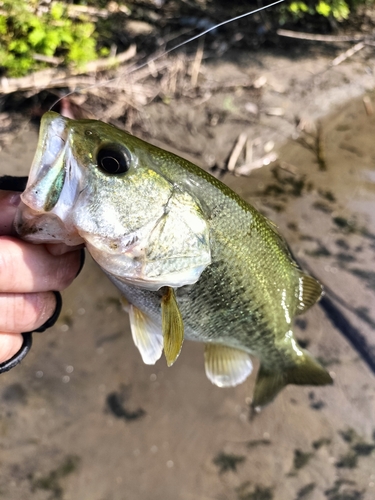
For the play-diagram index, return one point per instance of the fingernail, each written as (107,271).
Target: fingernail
(52,320)
(83,258)
(14,199)
(10,198)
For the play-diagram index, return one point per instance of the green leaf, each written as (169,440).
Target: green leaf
(323,9)
(297,7)
(340,10)
(57,11)
(36,36)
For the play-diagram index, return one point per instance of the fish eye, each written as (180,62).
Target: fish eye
(113,160)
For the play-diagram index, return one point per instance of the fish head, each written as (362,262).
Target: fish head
(95,184)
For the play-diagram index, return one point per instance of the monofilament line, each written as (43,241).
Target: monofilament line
(175,47)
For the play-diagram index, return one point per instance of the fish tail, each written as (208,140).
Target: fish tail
(306,371)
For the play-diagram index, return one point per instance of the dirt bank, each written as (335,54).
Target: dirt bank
(83,418)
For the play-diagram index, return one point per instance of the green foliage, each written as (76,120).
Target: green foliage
(337,9)
(28,28)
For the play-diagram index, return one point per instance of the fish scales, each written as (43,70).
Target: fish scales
(190,257)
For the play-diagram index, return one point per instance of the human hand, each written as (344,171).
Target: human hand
(28,274)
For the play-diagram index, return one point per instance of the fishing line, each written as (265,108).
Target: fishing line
(175,47)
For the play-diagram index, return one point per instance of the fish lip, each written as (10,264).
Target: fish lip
(43,215)
(48,164)
(38,227)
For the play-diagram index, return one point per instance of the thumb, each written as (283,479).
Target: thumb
(9,201)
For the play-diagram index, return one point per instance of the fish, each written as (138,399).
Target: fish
(191,258)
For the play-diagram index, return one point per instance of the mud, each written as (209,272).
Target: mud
(83,418)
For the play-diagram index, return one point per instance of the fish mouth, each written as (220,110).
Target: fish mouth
(44,214)
(48,170)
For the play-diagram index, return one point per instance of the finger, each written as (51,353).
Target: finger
(25,312)
(10,344)
(9,202)
(31,268)
(61,248)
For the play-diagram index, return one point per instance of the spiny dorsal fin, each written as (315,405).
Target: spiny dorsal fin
(310,291)
(172,326)
(146,335)
(306,372)
(226,366)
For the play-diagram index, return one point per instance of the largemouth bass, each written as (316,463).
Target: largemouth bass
(190,257)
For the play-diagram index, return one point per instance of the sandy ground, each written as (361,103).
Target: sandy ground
(83,419)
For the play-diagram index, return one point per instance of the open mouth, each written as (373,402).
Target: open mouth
(45,213)
(47,174)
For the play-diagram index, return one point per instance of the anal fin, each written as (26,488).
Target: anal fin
(172,325)
(226,366)
(307,371)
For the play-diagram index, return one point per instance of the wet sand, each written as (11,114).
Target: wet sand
(83,418)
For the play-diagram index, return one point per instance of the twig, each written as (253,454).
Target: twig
(48,59)
(275,111)
(368,105)
(54,78)
(319,143)
(262,162)
(242,138)
(349,53)
(288,167)
(195,68)
(249,151)
(42,80)
(75,11)
(317,148)
(320,38)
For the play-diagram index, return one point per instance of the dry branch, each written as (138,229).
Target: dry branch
(321,38)
(262,162)
(348,53)
(369,108)
(57,78)
(197,64)
(238,147)
(76,11)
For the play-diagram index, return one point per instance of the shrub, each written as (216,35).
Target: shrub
(30,27)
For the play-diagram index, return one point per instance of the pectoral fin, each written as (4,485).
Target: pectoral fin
(226,366)
(172,325)
(146,334)
(306,372)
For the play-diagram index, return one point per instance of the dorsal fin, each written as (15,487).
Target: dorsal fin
(310,291)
